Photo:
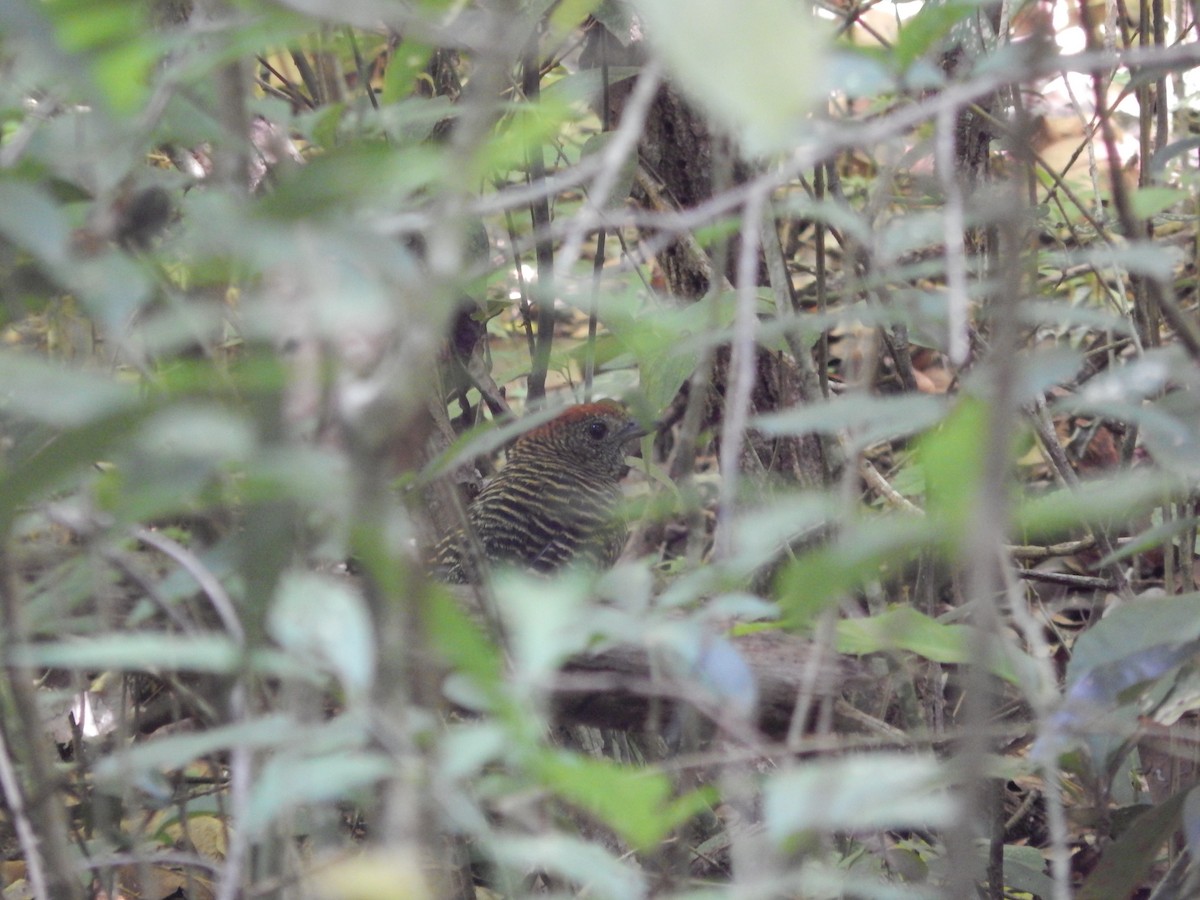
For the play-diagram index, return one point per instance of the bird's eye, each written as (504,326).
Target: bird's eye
(597,430)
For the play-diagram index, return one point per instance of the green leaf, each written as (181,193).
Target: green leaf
(1025,870)
(54,395)
(122,72)
(617,17)
(1127,862)
(527,129)
(1148,539)
(469,747)
(352,177)
(571,859)
(285,783)
(903,628)
(920,33)
(545,620)
(323,621)
(1168,424)
(59,457)
(586,85)
(206,435)
(861,71)
(635,803)
(1140,257)
(1052,312)
(174,751)
(461,642)
(1116,499)
(1170,428)
(1158,161)
(762,532)
(867,419)
(1121,667)
(869,792)
(1133,627)
(595,146)
(31,219)
(953,459)
(809,584)
(406,65)
(145,651)
(758,69)
(567,14)
(114,37)
(484,440)
(665,342)
(1153,199)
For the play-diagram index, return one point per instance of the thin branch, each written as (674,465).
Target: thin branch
(1031,553)
(830,139)
(14,799)
(741,370)
(212,588)
(893,497)
(539,214)
(1063,469)
(46,814)
(1083,582)
(954,227)
(612,158)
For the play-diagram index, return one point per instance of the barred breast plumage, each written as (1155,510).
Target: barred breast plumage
(556,500)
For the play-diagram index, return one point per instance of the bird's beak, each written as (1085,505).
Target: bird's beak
(633,429)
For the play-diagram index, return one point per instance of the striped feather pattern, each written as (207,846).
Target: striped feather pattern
(556,501)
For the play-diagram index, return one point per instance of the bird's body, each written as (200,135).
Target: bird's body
(556,500)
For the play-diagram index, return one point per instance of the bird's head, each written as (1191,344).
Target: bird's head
(593,434)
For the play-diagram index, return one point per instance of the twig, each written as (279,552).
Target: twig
(589,365)
(832,451)
(1033,553)
(539,214)
(15,801)
(831,142)
(741,370)
(1090,582)
(954,228)
(1131,224)
(158,858)
(873,725)
(623,142)
(981,546)
(211,587)
(875,479)
(1062,467)
(240,768)
(522,284)
(46,815)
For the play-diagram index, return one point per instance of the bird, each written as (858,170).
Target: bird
(555,501)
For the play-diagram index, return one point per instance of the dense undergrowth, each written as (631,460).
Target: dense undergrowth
(910,607)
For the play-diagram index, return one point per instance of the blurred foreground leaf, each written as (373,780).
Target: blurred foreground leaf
(635,803)
(1127,861)
(858,793)
(760,78)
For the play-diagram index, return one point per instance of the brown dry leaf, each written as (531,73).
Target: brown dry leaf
(397,875)
(925,384)
(932,376)
(164,881)
(207,832)
(12,871)
(1102,453)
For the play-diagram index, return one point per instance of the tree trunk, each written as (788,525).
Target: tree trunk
(677,150)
